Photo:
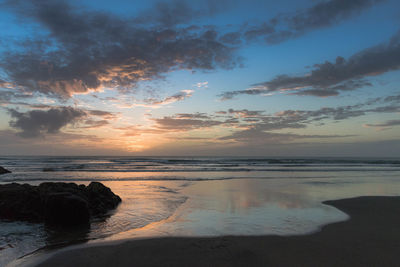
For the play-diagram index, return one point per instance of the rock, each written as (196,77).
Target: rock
(66,209)
(3,171)
(56,204)
(101,198)
(20,202)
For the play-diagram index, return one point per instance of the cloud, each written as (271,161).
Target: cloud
(233,38)
(329,79)
(295,24)
(184,124)
(255,135)
(389,123)
(244,113)
(231,94)
(197,115)
(136,130)
(88,124)
(321,15)
(59,144)
(6,96)
(176,12)
(258,31)
(183,94)
(152,102)
(101,113)
(394,98)
(256,121)
(201,85)
(167,14)
(257,126)
(86,51)
(36,123)
(80,51)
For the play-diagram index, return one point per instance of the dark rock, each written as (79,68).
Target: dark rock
(3,171)
(20,202)
(66,209)
(58,204)
(101,198)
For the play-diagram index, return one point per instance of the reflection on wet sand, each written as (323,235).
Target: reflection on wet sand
(257,206)
(248,206)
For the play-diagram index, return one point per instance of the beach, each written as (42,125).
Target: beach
(369,238)
(196,199)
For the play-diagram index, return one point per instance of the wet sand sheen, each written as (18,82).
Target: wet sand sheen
(370,238)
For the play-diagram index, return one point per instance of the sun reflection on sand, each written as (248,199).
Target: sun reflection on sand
(253,206)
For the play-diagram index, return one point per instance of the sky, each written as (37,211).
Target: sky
(200,78)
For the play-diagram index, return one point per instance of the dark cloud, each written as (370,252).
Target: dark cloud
(231,94)
(88,124)
(258,126)
(323,14)
(169,14)
(394,98)
(318,92)
(292,25)
(233,38)
(385,109)
(389,123)
(8,95)
(230,121)
(307,116)
(258,31)
(245,113)
(320,15)
(35,123)
(334,90)
(329,79)
(252,121)
(197,115)
(255,135)
(179,124)
(26,105)
(102,113)
(56,144)
(88,50)
(38,122)
(341,112)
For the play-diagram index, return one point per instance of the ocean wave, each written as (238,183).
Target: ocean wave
(178,168)
(135,170)
(152,178)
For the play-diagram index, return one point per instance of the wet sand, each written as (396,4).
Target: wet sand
(370,238)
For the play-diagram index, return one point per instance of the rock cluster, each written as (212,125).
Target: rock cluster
(3,171)
(56,204)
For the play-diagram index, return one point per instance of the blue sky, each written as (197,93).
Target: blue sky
(262,78)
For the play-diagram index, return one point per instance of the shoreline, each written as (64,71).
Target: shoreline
(369,238)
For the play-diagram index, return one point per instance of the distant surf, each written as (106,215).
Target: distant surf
(32,169)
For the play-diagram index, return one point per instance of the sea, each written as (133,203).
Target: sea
(197,196)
